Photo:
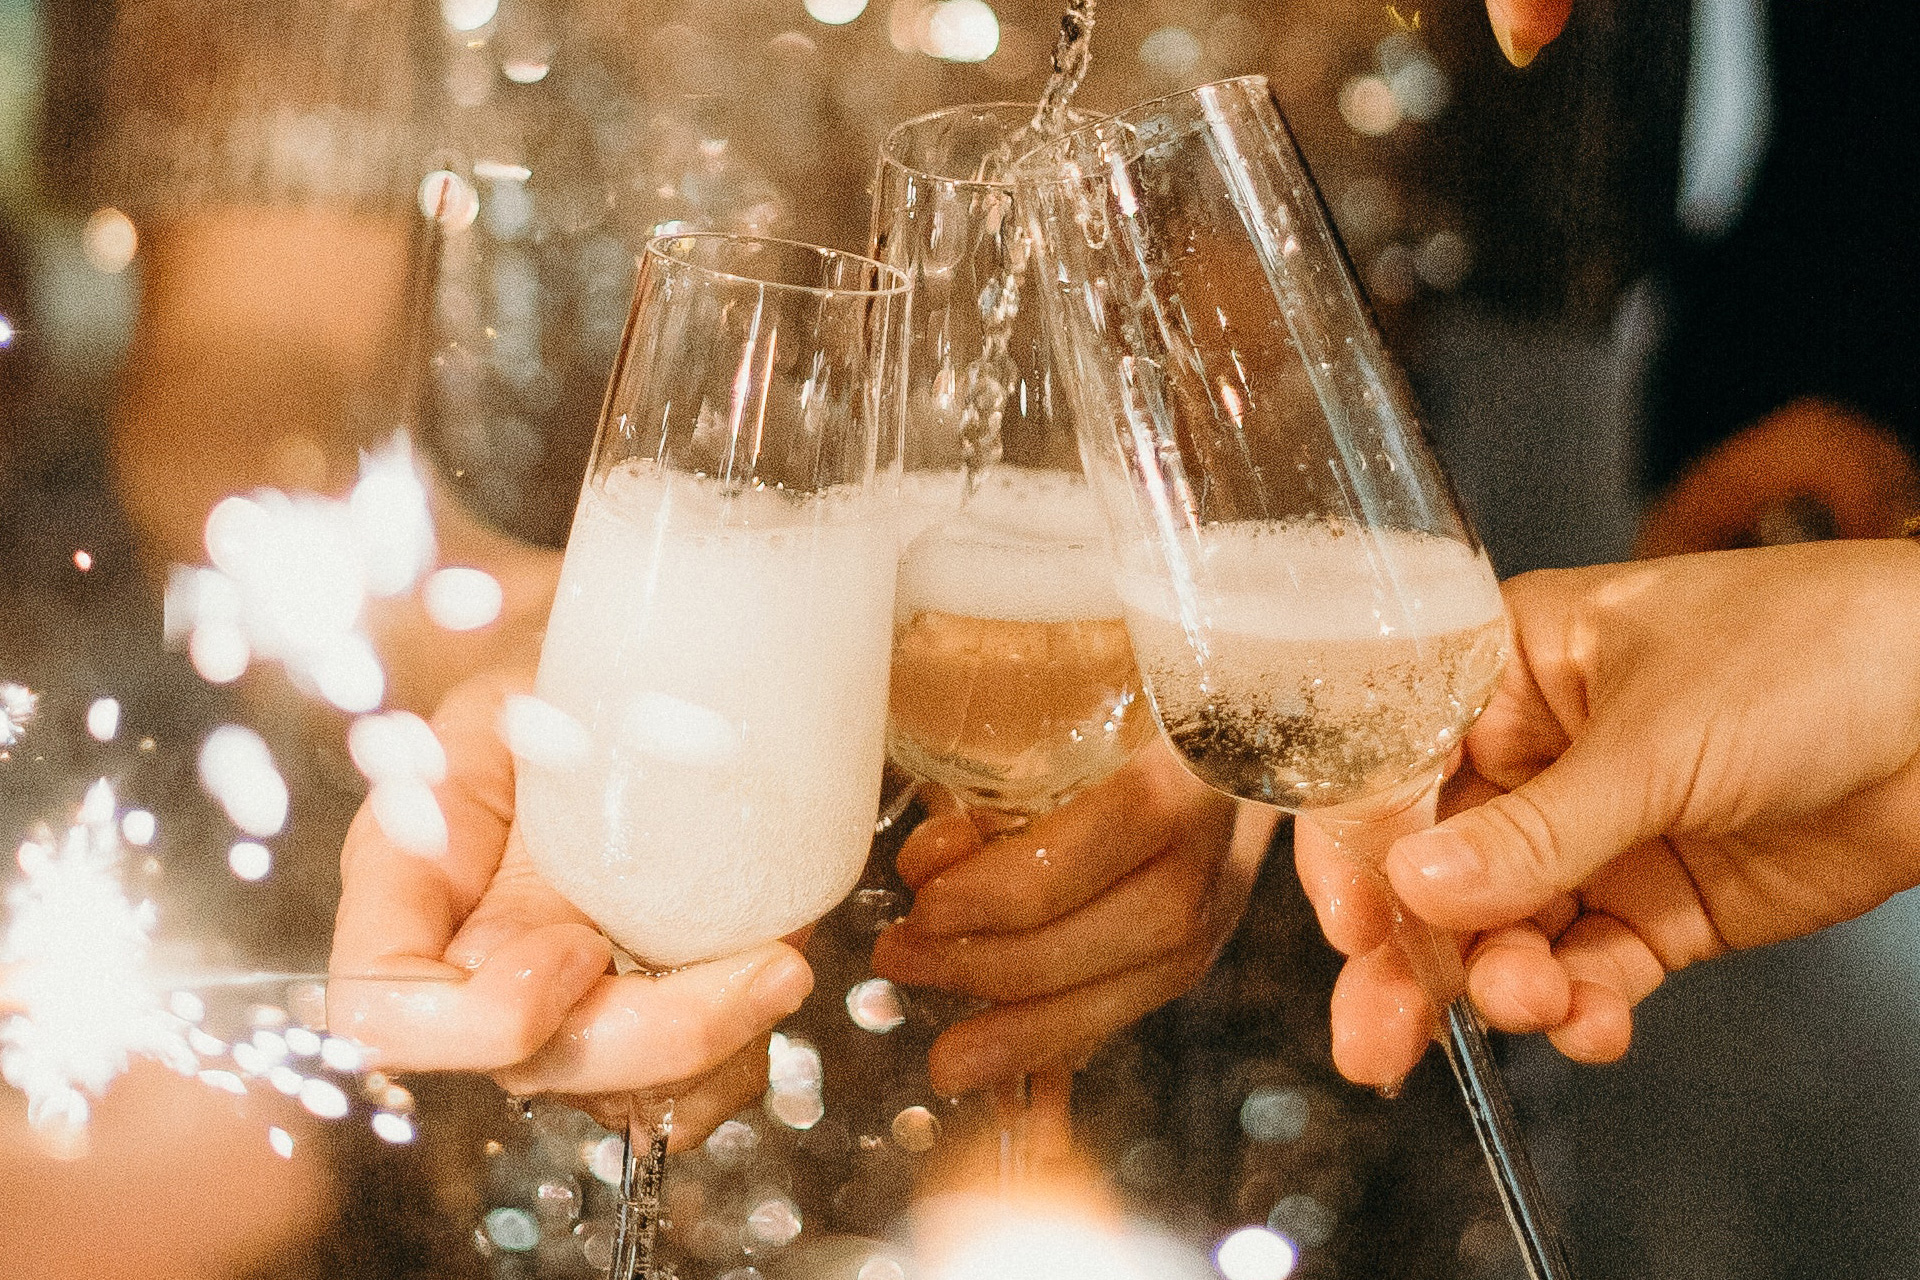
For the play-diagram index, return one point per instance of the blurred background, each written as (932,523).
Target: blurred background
(1654,290)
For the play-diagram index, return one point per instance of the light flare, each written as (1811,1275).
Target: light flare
(292,576)
(75,956)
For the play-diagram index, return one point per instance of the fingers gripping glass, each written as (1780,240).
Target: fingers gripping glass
(1316,623)
(1013,682)
(700,768)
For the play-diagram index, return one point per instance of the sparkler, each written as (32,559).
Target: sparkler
(76,961)
(290,580)
(17,706)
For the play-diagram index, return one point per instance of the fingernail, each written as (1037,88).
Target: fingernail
(585,961)
(1440,857)
(940,913)
(1518,53)
(780,988)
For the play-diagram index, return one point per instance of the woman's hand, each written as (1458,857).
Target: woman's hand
(1685,756)
(510,978)
(1076,924)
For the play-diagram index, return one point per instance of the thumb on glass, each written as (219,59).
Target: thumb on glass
(1500,861)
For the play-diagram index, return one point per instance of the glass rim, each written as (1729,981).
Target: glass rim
(889,281)
(890,160)
(1032,170)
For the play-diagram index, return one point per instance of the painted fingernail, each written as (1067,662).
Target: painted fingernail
(780,988)
(1518,52)
(1440,857)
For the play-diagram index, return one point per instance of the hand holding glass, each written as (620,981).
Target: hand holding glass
(1316,624)
(700,767)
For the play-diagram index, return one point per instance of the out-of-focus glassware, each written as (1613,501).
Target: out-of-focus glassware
(699,769)
(1317,624)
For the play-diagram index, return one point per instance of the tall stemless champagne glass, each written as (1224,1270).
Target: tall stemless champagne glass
(700,767)
(1316,623)
(1014,685)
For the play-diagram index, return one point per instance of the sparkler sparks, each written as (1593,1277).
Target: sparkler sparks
(292,575)
(76,955)
(17,706)
(290,580)
(80,998)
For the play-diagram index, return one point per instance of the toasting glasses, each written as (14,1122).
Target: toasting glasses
(1316,623)
(700,769)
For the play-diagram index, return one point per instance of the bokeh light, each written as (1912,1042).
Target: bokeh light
(1274,1115)
(962,31)
(138,827)
(451,198)
(462,599)
(238,771)
(250,860)
(1367,104)
(468,15)
(874,1005)
(1303,1219)
(109,241)
(392,1128)
(324,1099)
(835,12)
(773,1222)
(1172,51)
(1255,1253)
(103,719)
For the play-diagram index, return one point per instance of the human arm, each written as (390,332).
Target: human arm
(1685,756)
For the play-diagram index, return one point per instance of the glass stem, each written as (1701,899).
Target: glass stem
(643,1171)
(1435,959)
(1014,1100)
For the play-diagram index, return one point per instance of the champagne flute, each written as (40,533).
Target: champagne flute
(1316,622)
(700,766)
(1013,685)
(1013,682)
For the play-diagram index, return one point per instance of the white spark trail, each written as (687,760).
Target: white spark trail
(76,991)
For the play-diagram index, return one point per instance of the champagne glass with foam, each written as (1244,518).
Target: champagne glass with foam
(1316,623)
(700,766)
(1014,684)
